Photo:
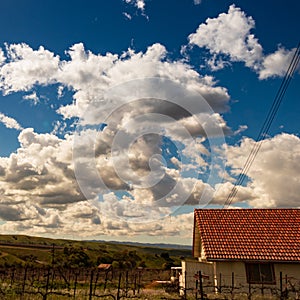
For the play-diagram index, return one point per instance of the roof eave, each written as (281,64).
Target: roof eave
(251,260)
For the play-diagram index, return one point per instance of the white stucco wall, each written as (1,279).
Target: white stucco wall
(289,270)
(220,274)
(225,271)
(191,268)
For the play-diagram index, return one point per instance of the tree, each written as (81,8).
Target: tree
(104,258)
(73,257)
(142,264)
(125,259)
(165,255)
(167,265)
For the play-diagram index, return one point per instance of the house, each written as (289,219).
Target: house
(242,247)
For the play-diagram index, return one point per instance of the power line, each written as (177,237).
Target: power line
(266,125)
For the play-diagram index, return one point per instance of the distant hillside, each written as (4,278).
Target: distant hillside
(156,245)
(22,249)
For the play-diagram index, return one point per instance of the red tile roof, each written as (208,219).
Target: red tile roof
(104,266)
(249,234)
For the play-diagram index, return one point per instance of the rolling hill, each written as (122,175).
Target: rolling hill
(22,250)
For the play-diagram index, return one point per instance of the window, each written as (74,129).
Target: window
(260,273)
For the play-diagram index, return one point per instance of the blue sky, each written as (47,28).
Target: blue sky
(184,88)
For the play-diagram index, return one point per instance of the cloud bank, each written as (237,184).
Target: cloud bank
(155,108)
(149,130)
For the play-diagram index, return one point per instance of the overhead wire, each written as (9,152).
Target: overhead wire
(266,126)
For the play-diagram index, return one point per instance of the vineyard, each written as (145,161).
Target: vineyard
(55,283)
(49,283)
(34,268)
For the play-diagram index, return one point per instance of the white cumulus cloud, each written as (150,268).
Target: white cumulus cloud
(26,67)
(276,64)
(229,38)
(274,179)
(9,122)
(2,57)
(230,34)
(32,97)
(139,4)
(38,182)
